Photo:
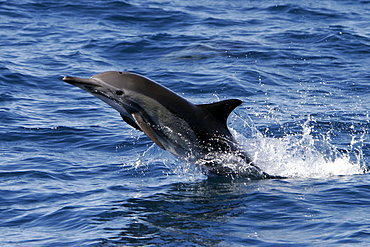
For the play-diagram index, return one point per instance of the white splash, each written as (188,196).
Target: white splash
(299,155)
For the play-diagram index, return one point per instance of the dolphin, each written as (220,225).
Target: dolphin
(195,133)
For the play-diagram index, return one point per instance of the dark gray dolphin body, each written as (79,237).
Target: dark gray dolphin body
(196,133)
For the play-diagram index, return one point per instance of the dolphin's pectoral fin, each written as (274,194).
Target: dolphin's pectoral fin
(130,122)
(222,109)
(146,129)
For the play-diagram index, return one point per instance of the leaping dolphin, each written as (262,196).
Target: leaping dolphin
(196,133)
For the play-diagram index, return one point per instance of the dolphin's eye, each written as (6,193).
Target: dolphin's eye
(119,92)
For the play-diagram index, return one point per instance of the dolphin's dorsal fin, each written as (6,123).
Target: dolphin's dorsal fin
(222,109)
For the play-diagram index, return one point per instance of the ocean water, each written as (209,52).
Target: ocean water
(72,173)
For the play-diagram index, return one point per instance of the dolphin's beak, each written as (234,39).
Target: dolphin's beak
(81,81)
(89,85)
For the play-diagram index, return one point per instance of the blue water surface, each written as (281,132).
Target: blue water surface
(72,173)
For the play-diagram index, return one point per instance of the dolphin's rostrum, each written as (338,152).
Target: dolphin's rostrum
(196,133)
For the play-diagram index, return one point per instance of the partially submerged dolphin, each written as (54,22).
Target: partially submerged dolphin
(196,133)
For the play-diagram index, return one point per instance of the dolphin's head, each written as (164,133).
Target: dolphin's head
(112,87)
